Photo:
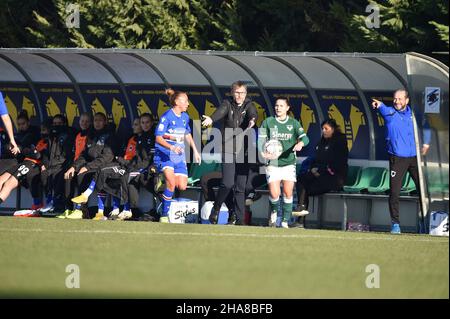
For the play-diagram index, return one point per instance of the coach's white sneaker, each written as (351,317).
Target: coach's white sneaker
(273,219)
(284,225)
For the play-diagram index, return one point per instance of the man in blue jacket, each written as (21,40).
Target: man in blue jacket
(401,147)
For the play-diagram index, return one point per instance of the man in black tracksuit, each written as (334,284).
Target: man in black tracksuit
(239,114)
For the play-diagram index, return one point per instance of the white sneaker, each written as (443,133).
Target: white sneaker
(284,225)
(114,213)
(300,213)
(49,207)
(125,214)
(273,219)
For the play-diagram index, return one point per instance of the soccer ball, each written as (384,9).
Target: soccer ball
(273,148)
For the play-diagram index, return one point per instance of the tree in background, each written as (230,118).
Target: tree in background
(420,26)
(169,24)
(296,25)
(263,25)
(15,16)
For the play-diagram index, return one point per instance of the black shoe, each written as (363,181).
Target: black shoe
(232,218)
(251,198)
(146,218)
(214,216)
(239,223)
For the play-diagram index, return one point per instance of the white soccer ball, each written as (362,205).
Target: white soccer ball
(273,148)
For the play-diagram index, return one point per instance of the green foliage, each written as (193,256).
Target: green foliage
(295,25)
(166,24)
(15,16)
(263,25)
(442,30)
(405,25)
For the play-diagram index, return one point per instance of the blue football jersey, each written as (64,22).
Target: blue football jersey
(3,109)
(173,129)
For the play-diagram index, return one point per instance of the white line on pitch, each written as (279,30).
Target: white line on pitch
(158,233)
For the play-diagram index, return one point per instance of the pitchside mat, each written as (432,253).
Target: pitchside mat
(52,258)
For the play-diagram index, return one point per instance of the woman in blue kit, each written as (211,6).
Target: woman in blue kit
(170,158)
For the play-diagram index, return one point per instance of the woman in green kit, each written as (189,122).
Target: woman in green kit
(279,138)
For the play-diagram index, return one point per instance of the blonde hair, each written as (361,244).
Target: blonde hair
(173,95)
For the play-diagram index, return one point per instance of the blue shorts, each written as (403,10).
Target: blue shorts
(178,166)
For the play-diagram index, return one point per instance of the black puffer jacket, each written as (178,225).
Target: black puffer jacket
(331,157)
(234,116)
(27,141)
(98,151)
(29,137)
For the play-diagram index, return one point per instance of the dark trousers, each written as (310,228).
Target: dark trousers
(398,166)
(234,179)
(81,182)
(310,185)
(28,175)
(113,180)
(52,180)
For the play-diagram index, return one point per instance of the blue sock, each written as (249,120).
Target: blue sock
(166,199)
(101,198)
(49,199)
(92,185)
(90,188)
(77,206)
(126,206)
(116,202)
(37,201)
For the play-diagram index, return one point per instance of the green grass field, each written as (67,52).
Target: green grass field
(152,260)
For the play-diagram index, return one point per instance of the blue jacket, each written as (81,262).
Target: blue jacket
(399,131)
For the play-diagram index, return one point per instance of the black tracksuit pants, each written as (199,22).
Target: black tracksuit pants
(113,180)
(234,179)
(398,166)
